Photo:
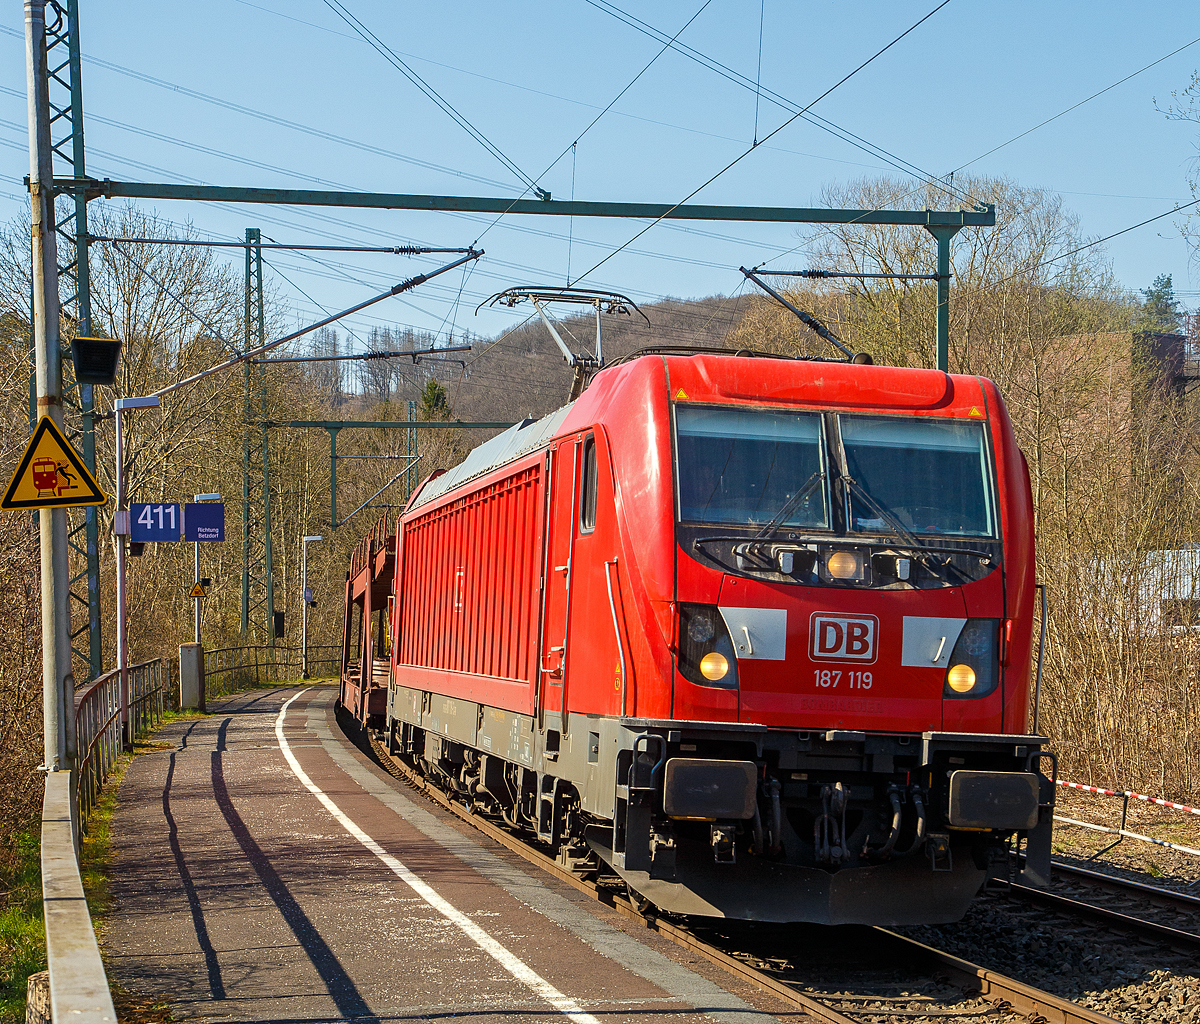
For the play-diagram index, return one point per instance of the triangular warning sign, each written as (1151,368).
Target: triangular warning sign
(51,474)
(197,591)
(975,411)
(681,393)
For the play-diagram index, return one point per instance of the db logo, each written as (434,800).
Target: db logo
(838,637)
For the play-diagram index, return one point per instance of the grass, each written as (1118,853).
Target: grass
(22,934)
(95,854)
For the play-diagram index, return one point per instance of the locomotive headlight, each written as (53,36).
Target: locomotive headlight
(845,565)
(960,678)
(706,654)
(974,663)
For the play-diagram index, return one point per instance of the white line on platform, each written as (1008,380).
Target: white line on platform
(509,961)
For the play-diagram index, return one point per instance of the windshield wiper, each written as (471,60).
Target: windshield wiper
(910,541)
(986,556)
(884,515)
(772,527)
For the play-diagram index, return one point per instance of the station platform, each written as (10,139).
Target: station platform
(265,868)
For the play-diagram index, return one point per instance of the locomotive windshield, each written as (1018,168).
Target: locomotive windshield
(745,467)
(930,476)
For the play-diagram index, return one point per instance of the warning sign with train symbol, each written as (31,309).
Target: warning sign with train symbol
(45,477)
(51,474)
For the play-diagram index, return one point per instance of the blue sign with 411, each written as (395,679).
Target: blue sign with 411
(151,523)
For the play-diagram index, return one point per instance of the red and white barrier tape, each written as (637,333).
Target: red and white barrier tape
(1127,793)
(1131,835)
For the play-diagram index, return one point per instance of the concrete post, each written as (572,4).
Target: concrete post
(52,523)
(191,677)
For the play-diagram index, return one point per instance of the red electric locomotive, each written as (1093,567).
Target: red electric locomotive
(756,632)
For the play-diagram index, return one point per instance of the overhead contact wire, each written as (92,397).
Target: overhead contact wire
(593,122)
(1075,106)
(870,148)
(747,152)
(393,58)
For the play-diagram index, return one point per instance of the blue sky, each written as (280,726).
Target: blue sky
(531,77)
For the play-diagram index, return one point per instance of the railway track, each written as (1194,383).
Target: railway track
(1180,933)
(840,981)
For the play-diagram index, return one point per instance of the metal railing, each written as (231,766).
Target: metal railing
(98,723)
(78,988)
(229,668)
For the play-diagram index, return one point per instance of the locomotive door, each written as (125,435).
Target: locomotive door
(560,550)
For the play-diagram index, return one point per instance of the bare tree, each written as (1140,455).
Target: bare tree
(329,378)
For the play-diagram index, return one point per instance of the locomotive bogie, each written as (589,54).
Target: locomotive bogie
(825,818)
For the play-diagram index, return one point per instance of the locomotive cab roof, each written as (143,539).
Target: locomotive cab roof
(858,382)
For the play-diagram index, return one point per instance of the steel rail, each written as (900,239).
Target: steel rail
(1155,894)
(618,903)
(1176,936)
(999,988)
(1125,922)
(995,988)
(1166,898)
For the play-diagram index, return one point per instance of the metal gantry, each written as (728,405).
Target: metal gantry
(258,579)
(410,426)
(65,95)
(943,225)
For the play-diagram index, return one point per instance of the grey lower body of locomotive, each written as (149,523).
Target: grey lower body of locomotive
(602,786)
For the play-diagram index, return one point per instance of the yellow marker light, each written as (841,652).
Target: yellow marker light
(961,678)
(844,565)
(714,666)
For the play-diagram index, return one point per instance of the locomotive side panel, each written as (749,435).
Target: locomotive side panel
(469,579)
(1020,567)
(598,669)
(630,403)
(555,654)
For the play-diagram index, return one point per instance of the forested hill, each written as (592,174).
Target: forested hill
(523,373)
